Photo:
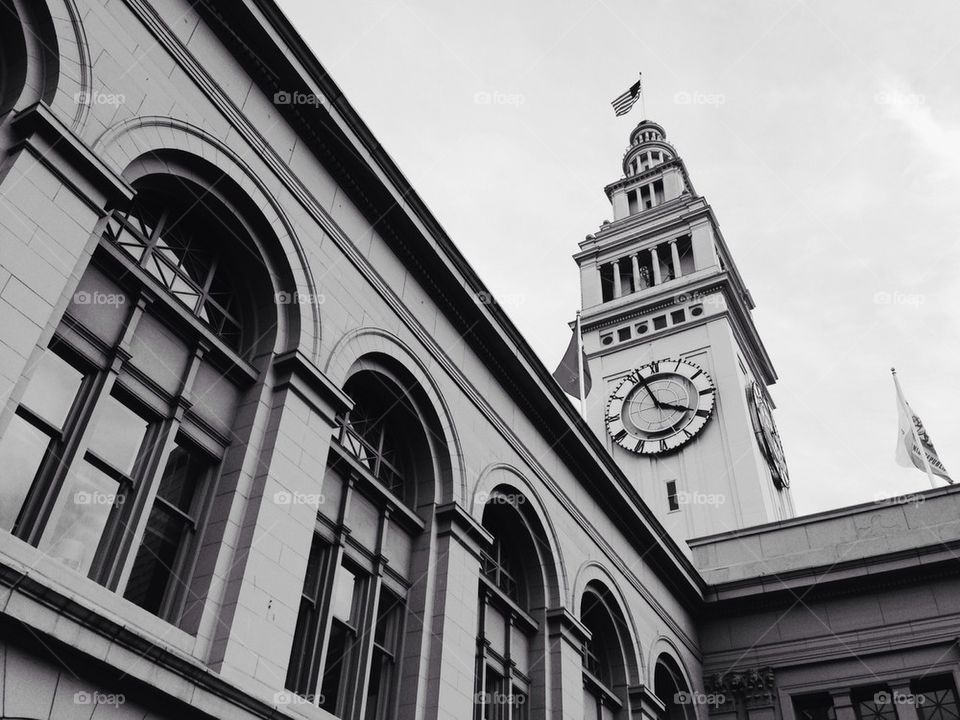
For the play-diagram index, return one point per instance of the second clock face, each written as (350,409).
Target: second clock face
(660,406)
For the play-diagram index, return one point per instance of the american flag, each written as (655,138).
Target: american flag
(624,102)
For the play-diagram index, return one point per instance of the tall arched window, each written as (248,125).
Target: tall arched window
(512,604)
(383,466)
(670,686)
(115,448)
(605,665)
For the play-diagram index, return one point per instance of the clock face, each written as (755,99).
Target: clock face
(768,437)
(660,406)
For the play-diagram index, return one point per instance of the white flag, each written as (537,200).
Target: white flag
(914,447)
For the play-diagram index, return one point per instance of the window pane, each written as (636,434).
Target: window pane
(184,471)
(385,640)
(518,702)
(52,388)
(343,594)
(493,700)
(117,434)
(337,659)
(21,451)
(936,698)
(79,516)
(155,567)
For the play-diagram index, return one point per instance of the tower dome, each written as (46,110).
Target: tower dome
(648,147)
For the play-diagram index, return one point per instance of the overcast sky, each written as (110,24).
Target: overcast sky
(825,135)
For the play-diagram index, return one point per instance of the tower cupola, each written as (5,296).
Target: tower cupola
(653,173)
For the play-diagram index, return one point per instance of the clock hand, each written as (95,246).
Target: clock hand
(671,406)
(643,383)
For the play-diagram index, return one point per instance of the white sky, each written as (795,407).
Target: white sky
(825,135)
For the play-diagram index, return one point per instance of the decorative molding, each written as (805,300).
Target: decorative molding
(754,687)
(452,519)
(561,623)
(296,372)
(65,155)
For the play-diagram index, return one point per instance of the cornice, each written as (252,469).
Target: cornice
(644,175)
(888,638)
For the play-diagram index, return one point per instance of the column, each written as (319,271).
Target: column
(620,207)
(653,195)
(566,638)
(656,265)
(261,594)
(45,245)
(451,630)
(675,256)
(617,283)
(635,266)
(645,705)
(842,705)
(904,701)
(704,252)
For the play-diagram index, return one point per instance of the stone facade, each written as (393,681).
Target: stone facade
(479,559)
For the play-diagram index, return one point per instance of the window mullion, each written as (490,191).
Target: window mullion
(128,533)
(316,661)
(355,692)
(60,456)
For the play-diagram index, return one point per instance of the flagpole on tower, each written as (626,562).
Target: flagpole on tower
(916,435)
(643,100)
(581,380)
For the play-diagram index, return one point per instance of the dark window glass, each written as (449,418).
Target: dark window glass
(169,531)
(305,654)
(518,704)
(343,634)
(817,706)
(386,642)
(171,244)
(493,702)
(936,698)
(673,502)
(874,704)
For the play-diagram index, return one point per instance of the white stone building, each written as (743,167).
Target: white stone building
(268,451)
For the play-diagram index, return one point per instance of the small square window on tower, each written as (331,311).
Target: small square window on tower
(673,501)
(623,334)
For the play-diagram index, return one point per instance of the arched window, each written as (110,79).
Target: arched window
(116,445)
(384,432)
(512,601)
(670,686)
(385,463)
(175,237)
(605,671)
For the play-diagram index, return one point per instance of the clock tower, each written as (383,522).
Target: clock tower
(680,374)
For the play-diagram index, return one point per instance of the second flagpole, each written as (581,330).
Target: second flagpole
(581,380)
